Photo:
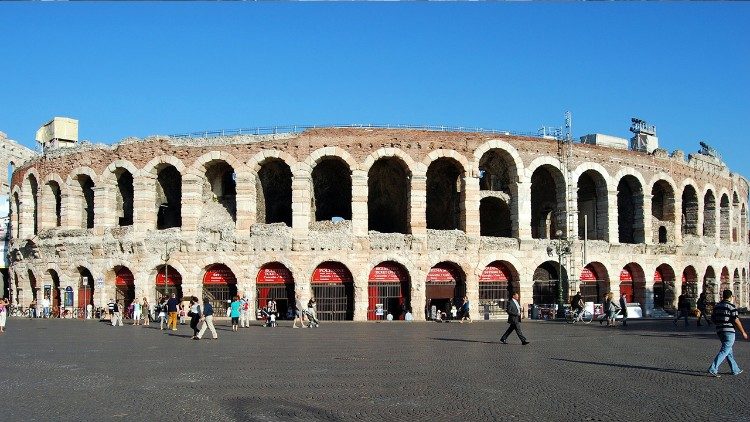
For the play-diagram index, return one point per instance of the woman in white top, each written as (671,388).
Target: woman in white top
(136,312)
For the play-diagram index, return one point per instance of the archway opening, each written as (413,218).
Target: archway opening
(85,201)
(664,279)
(52,292)
(446,287)
(333,287)
(546,277)
(662,209)
(85,288)
(724,223)
(275,281)
(219,287)
(594,282)
(53,205)
(494,217)
(389,291)
(547,202)
(690,285)
(689,211)
(34,192)
(124,287)
(274,193)
(219,192)
(124,197)
(709,214)
(724,282)
(168,281)
(388,202)
(710,285)
(633,284)
(168,197)
(332,189)
(630,210)
(592,206)
(445,195)
(497,284)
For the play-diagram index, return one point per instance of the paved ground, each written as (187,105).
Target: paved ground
(85,370)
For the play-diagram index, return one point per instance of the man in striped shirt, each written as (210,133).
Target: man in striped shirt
(726,319)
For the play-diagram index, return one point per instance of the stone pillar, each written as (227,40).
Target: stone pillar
(613,228)
(470,207)
(104,213)
(359,203)
(472,293)
(521,213)
(677,222)
(648,232)
(192,202)
(418,204)
(418,293)
(144,203)
(301,197)
(361,297)
(245,186)
(699,220)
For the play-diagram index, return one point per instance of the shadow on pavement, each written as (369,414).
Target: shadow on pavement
(648,368)
(464,340)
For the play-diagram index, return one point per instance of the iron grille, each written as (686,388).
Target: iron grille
(492,298)
(220,296)
(335,302)
(388,294)
(283,294)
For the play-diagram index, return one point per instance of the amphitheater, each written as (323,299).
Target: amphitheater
(371,219)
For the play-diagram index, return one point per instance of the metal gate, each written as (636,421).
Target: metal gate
(389,296)
(493,296)
(335,302)
(591,291)
(125,295)
(283,294)
(220,296)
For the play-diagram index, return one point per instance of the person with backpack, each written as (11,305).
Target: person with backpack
(244,312)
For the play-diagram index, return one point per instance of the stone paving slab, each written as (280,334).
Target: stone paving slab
(87,370)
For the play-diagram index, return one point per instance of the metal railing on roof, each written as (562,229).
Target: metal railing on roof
(273,130)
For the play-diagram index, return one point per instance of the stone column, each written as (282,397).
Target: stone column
(359,203)
(104,213)
(145,208)
(418,204)
(522,211)
(677,222)
(192,202)
(301,197)
(470,207)
(613,227)
(361,297)
(245,186)
(648,232)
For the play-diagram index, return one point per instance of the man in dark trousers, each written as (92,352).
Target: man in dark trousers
(514,319)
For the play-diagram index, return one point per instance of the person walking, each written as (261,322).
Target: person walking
(136,312)
(702,309)
(234,312)
(466,310)
(117,314)
(683,309)
(298,312)
(624,309)
(612,309)
(207,316)
(146,312)
(161,309)
(172,306)
(46,306)
(312,313)
(726,318)
(244,312)
(194,312)
(3,314)
(514,319)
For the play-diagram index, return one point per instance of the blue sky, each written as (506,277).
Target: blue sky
(139,69)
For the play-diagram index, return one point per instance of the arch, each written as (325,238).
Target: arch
(504,149)
(724,281)
(446,194)
(498,281)
(630,213)
(31,197)
(256,162)
(332,189)
(663,210)
(495,217)
(275,281)
(594,282)
(124,285)
(709,214)
(664,279)
(547,202)
(168,195)
(81,185)
(52,200)
(219,286)
(333,287)
(396,153)
(205,161)
(15,211)
(124,196)
(724,221)
(152,167)
(389,195)
(689,210)
(633,283)
(737,285)
(321,154)
(53,278)
(86,288)
(388,291)
(219,193)
(498,170)
(743,224)
(273,187)
(168,280)
(445,285)
(548,282)
(593,205)
(710,283)
(690,285)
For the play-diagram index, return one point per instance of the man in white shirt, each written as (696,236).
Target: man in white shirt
(514,319)
(46,306)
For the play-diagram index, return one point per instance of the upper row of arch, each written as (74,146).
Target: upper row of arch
(511,156)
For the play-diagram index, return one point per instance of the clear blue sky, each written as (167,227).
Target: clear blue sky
(139,69)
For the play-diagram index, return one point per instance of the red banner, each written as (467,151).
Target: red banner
(274,273)
(657,277)
(219,274)
(332,273)
(495,272)
(625,275)
(442,273)
(587,274)
(388,272)
(175,278)
(123,277)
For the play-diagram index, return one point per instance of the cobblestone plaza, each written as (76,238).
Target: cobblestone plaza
(85,370)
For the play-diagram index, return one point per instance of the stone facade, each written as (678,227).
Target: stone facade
(351,199)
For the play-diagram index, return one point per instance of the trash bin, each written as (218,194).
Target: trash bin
(534,312)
